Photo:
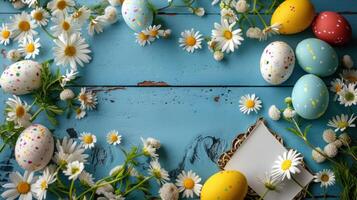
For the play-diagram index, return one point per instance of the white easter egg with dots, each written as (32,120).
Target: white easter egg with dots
(21,77)
(137,14)
(34,148)
(277,62)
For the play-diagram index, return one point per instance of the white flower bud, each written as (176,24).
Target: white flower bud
(347,61)
(110,13)
(18,4)
(199,11)
(329,135)
(242,6)
(153,143)
(274,113)
(14,55)
(67,94)
(331,150)
(316,156)
(345,139)
(169,191)
(254,33)
(218,55)
(289,113)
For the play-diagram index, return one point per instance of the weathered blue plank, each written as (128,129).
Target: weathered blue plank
(183,119)
(118,60)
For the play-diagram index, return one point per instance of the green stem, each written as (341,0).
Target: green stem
(6,141)
(34,116)
(264,194)
(138,185)
(302,187)
(71,189)
(48,33)
(98,185)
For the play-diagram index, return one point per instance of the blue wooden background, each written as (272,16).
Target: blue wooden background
(188,101)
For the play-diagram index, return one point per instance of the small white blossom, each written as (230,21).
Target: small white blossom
(331,150)
(274,113)
(218,55)
(347,61)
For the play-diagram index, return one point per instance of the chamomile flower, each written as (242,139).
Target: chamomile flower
(350,75)
(71,50)
(326,177)
(88,140)
(143,38)
(73,170)
(60,6)
(249,103)
(21,187)
(30,48)
(64,25)
(271,183)
(96,25)
(271,30)
(40,16)
(165,33)
(113,137)
(18,112)
(227,39)
(190,40)
(341,123)
(81,15)
(23,26)
(169,191)
(88,99)
(229,15)
(348,95)
(287,164)
(43,182)
(337,86)
(159,173)
(69,76)
(68,151)
(30,3)
(80,113)
(86,178)
(149,150)
(5,34)
(153,31)
(189,184)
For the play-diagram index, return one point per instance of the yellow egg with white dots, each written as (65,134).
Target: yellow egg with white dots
(225,185)
(294,16)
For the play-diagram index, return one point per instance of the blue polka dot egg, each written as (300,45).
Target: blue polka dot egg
(310,97)
(137,14)
(316,57)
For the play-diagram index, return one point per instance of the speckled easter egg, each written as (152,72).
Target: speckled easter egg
(294,16)
(225,185)
(316,57)
(137,14)
(21,77)
(310,97)
(277,62)
(34,148)
(332,27)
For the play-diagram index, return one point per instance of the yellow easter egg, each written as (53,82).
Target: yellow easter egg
(294,16)
(225,185)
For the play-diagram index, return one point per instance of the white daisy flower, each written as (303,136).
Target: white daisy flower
(149,151)
(189,184)
(159,173)
(86,178)
(169,191)
(69,76)
(71,50)
(287,165)
(152,142)
(143,38)
(40,16)
(5,34)
(96,25)
(337,86)
(18,112)
(113,137)
(350,75)
(229,15)
(190,40)
(88,99)
(271,30)
(21,187)
(80,113)
(22,26)
(64,25)
(326,177)
(43,182)
(249,103)
(30,48)
(227,39)
(341,123)
(317,156)
(345,139)
(60,6)
(348,95)
(67,94)
(68,151)
(73,170)
(110,12)
(30,3)
(274,113)
(88,140)
(81,15)
(154,31)
(271,183)
(347,61)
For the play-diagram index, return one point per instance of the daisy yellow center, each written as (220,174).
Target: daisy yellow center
(88,139)
(157,173)
(338,88)
(342,124)
(24,26)
(228,34)
(83,98)
(188,183)
(20,111)
(286,165)
(70,51)
(61,5)
(249,103)
(143,36)
(23,188)
(38,16)
(74,170)
(78,111)
(325,178)
(113,138)
(43,185)
(154,33)
(30,48)
(66,26)
(77,14)
(349,96)
(190,41)
(5,34)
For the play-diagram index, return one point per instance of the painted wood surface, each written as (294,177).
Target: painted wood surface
(195,124)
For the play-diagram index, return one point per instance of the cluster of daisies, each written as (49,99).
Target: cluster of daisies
(286,167)
(68,165)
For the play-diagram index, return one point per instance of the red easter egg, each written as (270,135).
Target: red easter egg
(332,28)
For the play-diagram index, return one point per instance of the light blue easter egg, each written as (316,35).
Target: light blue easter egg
(310,97)
(137,14)
(316,57)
